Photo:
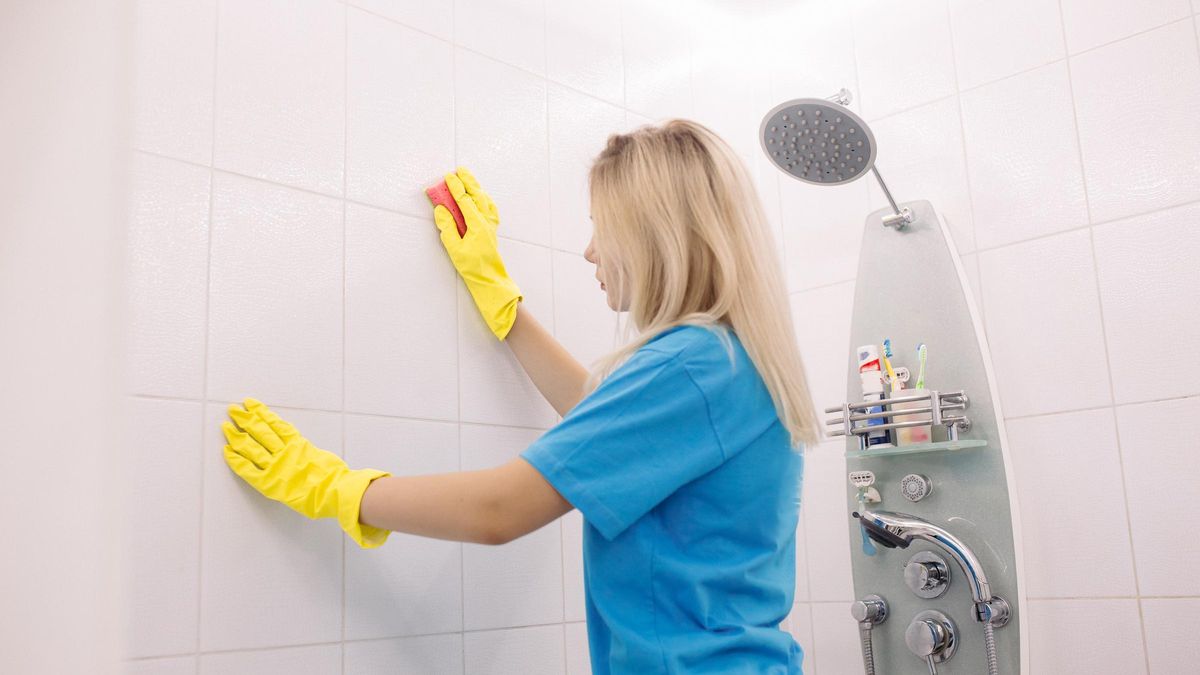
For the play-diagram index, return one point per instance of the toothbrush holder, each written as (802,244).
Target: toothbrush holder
(917,434)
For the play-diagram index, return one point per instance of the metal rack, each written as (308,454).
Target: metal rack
(946,409)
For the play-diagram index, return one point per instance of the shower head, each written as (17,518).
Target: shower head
(821,141)
(893,529)
(817,141)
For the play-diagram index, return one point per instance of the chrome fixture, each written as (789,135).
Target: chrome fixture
(932,637)
(868,612)
(821,141)
(891,529)
(946,409)
(915,487)
(927,575)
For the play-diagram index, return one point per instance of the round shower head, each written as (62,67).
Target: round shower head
(817,141)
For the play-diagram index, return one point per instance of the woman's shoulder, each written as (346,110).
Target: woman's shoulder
(703,347)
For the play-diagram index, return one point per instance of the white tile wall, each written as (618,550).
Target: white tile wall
(168,281)
(1140,153)
(277,113)
(281,92)
(411,585)
(987,35)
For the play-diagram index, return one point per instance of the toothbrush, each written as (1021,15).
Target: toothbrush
(887,364)
(922,354)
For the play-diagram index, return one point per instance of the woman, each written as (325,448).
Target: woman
(680,449)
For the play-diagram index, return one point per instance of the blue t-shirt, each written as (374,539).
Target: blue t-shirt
(690,492)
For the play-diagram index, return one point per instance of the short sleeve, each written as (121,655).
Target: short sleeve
(638,437)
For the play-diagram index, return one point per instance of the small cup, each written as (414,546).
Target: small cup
(912,435)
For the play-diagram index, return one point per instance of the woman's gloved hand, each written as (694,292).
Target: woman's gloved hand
(281,464)
(475,255)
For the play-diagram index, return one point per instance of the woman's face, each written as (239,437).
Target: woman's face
(591,256)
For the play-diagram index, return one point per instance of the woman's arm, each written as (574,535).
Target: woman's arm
(553,370)
(491,506)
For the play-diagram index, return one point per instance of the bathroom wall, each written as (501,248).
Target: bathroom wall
(1060,140)
(281,248)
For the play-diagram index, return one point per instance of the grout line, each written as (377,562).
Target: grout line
(1102,45)
(462,549)
(156,397)
(345,180)
(962,131)
(212,180)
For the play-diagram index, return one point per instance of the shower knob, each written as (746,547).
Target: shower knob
(915,487)
(932,635)
(871,610)
(927,575)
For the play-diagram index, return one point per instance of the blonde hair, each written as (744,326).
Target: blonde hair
(679,228)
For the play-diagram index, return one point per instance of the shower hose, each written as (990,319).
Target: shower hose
(868,654)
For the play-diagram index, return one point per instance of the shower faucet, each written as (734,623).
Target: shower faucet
(893,530)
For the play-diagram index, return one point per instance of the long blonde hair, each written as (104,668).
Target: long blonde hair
(679,228)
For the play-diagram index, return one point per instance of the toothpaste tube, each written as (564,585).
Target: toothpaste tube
(871,379)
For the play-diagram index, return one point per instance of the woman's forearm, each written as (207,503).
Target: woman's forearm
(549,365)
(459,506)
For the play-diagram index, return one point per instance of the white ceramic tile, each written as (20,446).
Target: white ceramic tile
(800,625)
(177,665)
(1141,150)
(892,78)
(1171,626)
(513,31)
(822,230)
(822,324)
(401,349)
(411,585)
(574,602)
(1109,643)
(1160,475)
(809,55)
(436,18)
(971,267)
(583,321)
(271,577)
(731,88)
(1150,286)
(281,92)
(529,651)
(634,120)
(987,35)
(1043,325)
(432,654)
(827,524)
(1090,23)
(579,128)
(1023,157)
(921,157)
(502,138)
(312,660)
(836,638)
(399,113)
(275,309)
(493,386)
(583,47)
(578,657)
(173,82)
(658,62)
(1074,546)
(162,527)
(519,583)
(168,272)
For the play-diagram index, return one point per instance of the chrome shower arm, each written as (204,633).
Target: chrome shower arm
(906,528)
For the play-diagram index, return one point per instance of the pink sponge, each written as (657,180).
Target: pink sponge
(440,195)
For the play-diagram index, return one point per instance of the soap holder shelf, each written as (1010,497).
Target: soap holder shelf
(932,408)
(915,448)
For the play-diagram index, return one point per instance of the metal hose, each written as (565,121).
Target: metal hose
(989,644)
(868,652)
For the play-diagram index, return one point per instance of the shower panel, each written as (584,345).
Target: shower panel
(930,504)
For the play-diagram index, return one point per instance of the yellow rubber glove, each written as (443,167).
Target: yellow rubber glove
(475,255)
(283,465)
